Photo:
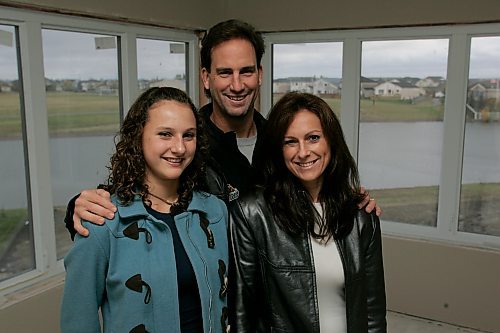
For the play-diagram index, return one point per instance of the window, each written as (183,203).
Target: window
(65,83)
(83,114)
(420,112)
(17,254)
(161,63)
(402,90)
(481,162)
(315,68)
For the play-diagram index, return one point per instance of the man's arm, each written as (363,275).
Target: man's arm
(369,203)
(91,205)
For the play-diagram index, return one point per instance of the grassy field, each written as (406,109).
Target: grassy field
(82,113)
(10,221)
(479,209)
(392,109)
(68,113)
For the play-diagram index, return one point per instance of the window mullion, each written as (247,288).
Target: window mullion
(128,68)
(193,68)
(351,71)
(453,138)
(266,90)
(37,142)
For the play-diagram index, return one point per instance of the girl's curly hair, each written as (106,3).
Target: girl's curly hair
(128,166)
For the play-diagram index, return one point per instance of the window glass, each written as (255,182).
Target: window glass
(402,93)
(308,67)
(479,209)
(81,73)
(16,232)
(161,63)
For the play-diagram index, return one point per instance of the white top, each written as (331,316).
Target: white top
(246,146)
(330,284)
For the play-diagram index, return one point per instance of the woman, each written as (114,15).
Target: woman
(160,264)
(306,258)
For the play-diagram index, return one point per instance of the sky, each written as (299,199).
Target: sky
(415,58)
(74,56)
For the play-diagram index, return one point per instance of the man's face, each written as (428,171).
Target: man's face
(234,78)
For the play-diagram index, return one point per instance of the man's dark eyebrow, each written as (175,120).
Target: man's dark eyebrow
(251,68)
(248,69)
(223,70)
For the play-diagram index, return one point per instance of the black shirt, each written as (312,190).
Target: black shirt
(189,296)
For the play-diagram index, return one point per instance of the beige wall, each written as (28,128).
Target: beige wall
(293,14)
(453,284)
(283,15)
(36,314)
(190,14)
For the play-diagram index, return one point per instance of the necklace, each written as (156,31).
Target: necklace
(170,203)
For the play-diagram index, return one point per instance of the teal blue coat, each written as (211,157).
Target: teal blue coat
(100,267)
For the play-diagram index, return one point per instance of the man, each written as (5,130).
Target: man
(231,55)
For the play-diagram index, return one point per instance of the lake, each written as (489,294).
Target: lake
(391,155)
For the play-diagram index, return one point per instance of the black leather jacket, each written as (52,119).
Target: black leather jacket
(273,287)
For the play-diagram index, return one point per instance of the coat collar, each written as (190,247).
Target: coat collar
(136,207)
(131,213)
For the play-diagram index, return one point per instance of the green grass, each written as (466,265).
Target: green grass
(83,113)
(68,113)
(391,109)
(387,109)
(9,221)
(418,205)
(413,205)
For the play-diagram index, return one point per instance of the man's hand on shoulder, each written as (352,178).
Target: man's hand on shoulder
(94,206)
(369,203)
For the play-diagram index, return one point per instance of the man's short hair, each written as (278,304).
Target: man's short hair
(229,30)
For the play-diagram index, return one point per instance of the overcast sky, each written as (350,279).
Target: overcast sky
(74,56)
(416,58)
(69,55)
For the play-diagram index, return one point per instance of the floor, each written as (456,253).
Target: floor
(400,323)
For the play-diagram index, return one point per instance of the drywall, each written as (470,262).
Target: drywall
(281,15)
(452,284)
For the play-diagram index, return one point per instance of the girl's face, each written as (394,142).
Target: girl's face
(306,151)
(168,141)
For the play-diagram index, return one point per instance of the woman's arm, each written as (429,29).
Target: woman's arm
(243,275)
(84,289)
(375,284)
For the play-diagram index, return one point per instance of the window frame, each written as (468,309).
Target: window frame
(29,25)
(459,37)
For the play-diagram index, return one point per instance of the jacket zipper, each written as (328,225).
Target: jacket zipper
(342,259)
(314,281)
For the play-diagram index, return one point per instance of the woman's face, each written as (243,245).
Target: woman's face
(168,141)
(306,151)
